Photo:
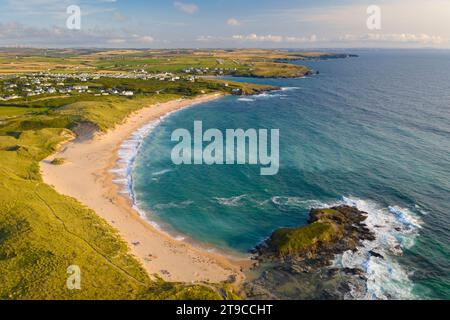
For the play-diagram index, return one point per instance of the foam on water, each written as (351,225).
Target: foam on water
(127,155)
(297,202)
(268,95)
(162,172)
(183,204)
(395,229)
(232,201)
(246,99)
(289,88)
(143,215)
(421,210)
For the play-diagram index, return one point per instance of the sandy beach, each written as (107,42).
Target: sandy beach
(86,176)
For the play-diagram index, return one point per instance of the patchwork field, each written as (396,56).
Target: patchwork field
(268,62)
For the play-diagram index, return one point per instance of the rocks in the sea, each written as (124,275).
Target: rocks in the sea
(248,91)
(330,231)
(375,254)
(355,272)
(295,263)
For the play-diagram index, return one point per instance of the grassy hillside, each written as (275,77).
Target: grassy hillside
(273,70)
(42,232)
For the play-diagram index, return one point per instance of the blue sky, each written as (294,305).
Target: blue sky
(225,23)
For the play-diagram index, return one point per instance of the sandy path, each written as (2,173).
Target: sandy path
(86,176)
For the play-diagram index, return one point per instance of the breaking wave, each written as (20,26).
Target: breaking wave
(395,229)
(162,172)
(171,205)
(268,95)
(232,201)
(283,202)
(126,158)
(246,99)
(289,88)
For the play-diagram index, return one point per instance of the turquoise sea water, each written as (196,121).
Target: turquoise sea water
(372,131)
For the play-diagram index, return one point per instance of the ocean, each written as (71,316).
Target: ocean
(371,131)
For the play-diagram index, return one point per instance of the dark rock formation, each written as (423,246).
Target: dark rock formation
(329,232)
(294,263)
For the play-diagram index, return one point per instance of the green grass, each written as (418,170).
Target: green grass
(302,240)
(247,88)
(168,63)
(327,226)
(273,70)
(176,64)
(42,232)
(7,112)
(107,112)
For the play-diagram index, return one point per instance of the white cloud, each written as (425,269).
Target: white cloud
(206,38)
(312,38)
(405,38)
(274,38)
(405,23)
(233,22)
(19,34)
(146,39)
(186,7)
(258,38)
(413,17)
(57,8)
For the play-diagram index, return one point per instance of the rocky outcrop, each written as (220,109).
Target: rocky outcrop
(294,263)
(330,231)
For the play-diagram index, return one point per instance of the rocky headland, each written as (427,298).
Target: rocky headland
(296,263)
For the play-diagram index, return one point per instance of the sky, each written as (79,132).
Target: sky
(227,23)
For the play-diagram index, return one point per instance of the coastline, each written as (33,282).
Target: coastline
(87,176)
